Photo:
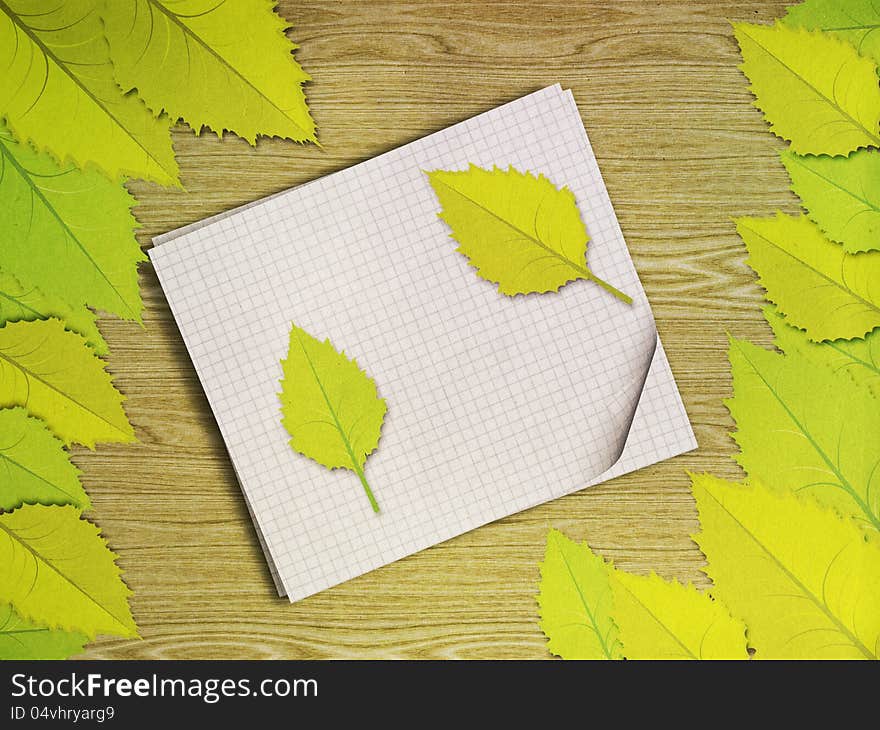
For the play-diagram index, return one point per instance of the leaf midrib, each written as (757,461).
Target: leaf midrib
(40,477)
(794,579)
(833,183)
(657,620)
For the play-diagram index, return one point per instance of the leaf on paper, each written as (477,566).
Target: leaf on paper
(815,90)
(68,232)
(57,90)
(855,21)
(19,302)
(59,378)
(330,406)
(59,572)
(807,430)
(815,284)
(20,639)
(805,581)
(517,230)
(841,194)
(234,68)
(661,619)
(859,358)
(34,467)
(576,601)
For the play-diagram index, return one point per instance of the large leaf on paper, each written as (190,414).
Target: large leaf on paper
(55,375)
(661,619)
(68,232)
(58,572)
(806,429)
(805,581)
(33,464)
(330,406)
(234,67)
(20,639)
(57,90)
(516,229)
(576,601)
(855,21)
(19,302)
(814,283)
(860,359)
(815,90)
(841,194)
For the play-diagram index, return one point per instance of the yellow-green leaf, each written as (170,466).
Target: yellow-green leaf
(68,232)
(841,194)
(58,377)
(855,21)
(59,572)
(27,303)
(814,283)
(661,619)
(815,90)
(330,406)
(20,639)
(576,601)
(34,467)
(805,429)
(805,581)
(517,230)
(232,64)
(57,91)
(860,359)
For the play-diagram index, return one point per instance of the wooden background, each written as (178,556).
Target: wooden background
(682,151)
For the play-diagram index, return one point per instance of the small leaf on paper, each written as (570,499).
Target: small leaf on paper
(815,90)
(68,232)
(57,91)
(576,601)
(59,572)
(330,406)
(34,465)
(805,581)
(20,639)
(815,284)
(805,429)
(18,302)
(855,21)
(841,194)
(517,230)
(233,65)
(59,378)
(860,359)
(661,619)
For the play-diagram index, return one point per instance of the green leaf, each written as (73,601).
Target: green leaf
(68,232)
(842,195)
(805,581)
(19,302)
(661,619)
(20,639)
(807,430)
(57,377)
(233,67)
(814,89)
(517,230)
(58,572)
(814,283)
(576,601)
(855,21)
(330,406)
(859,358)
(57,90)
(34,466)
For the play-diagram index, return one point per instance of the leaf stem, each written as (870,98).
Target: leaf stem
(607,287)
(373,503)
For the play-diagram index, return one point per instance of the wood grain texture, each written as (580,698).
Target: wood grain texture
(682,151)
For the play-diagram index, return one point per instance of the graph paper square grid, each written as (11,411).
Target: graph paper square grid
(495,404)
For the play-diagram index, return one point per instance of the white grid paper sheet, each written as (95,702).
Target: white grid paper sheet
(495,404)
